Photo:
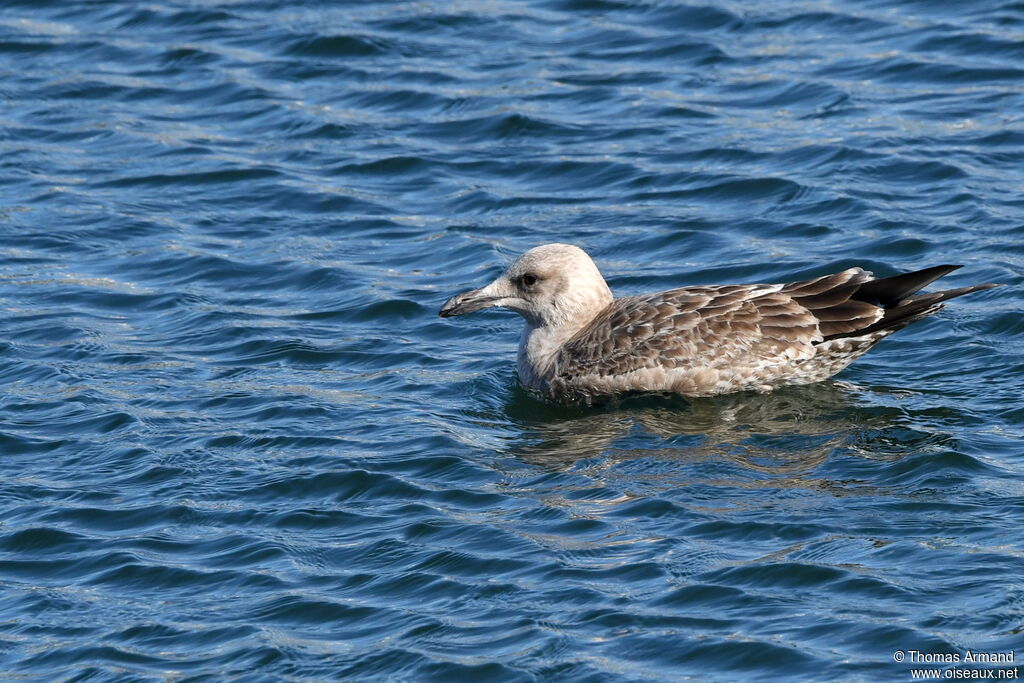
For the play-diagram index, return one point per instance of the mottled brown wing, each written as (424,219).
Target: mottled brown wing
(688,327)
(717,326)
(634,332)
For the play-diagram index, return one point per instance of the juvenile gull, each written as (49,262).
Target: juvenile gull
(580,343)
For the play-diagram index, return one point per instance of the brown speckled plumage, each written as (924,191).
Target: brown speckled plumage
(580,344)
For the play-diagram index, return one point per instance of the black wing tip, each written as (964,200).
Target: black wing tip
(941,268)
(946,269)
(928,275)
(979,288)
(890,292)
(902,305)
(953,293)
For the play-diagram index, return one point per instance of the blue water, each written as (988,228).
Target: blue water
(237,443)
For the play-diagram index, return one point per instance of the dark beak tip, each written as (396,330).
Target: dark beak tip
(464,303)
(450,308)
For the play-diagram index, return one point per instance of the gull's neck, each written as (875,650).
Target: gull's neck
(538,347)
(543,338)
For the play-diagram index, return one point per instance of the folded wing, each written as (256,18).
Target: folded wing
(734,330)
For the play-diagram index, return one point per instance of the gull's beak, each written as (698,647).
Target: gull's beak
(494,294)
(467,302)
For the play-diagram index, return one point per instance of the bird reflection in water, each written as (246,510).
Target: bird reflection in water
(757,440)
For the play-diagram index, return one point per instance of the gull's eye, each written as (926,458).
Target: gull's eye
(529,280)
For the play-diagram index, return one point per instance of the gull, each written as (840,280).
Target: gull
(580,343)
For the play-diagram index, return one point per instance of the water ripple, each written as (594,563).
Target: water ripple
(237,438)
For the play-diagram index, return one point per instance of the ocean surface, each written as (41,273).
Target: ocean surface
(238,444)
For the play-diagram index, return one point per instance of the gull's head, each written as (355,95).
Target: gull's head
(552,284)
